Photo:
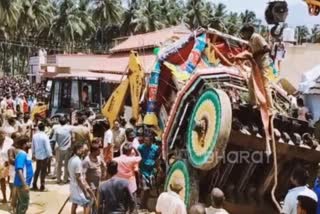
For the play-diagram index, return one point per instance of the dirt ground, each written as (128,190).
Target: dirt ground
(48,202)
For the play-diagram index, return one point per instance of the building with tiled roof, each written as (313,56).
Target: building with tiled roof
(147,41)
(115,64)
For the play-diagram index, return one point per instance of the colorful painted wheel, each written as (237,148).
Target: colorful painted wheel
(209,129)
(180,170)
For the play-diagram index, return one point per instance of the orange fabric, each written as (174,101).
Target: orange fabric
(261,96)
(108,154)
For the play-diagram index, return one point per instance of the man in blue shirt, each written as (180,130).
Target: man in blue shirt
(150,154)
(316,188)
(41,151)
(23,176)
(62,135)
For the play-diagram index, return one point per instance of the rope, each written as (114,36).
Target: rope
(275,164)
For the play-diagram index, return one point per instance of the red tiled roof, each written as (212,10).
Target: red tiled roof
(151,39)
(118,63)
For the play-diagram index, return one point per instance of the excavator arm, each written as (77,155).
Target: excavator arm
(134,81)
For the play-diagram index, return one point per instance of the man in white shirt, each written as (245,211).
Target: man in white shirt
(299,179)
(3,104)
(170,202)
(5,144)
(119,137)
(217,198)
(62,136)
(108,144)
(80,193)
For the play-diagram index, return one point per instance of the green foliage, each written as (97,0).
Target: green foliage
(90,26)
(302,34)
(315,33)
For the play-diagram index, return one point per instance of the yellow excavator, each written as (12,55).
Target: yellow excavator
(133,82)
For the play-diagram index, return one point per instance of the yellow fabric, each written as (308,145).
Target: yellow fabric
(211,55)
(39,110)
(180,75)
(150,119)
(270,75)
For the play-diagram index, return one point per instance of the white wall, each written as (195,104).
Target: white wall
(80,62)
(300,59)
(312,101)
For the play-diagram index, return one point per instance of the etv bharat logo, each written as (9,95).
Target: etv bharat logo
(243,157)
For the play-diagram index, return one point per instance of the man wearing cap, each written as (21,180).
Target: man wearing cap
(170,202)
(299,179)
(217,199)
(316,188)
(307,203)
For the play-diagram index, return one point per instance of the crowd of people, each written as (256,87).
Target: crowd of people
(69,154)
(113,173)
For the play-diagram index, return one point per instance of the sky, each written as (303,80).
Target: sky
(298,11)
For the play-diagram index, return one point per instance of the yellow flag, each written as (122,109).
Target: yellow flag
(180,75)
(210,53)
(40,109)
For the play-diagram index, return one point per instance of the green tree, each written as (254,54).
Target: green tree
(68,25)
(196,14)
(218,19)
(172,12)
(9,15)
(9,12)
(315,33)
(302,33)
(233,23)
(107,15)
(148,17)
(248,17)
(127,24)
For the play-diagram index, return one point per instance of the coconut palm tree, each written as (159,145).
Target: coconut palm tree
(9,15)
(128,15)
(315,33)
(196,14)
(9,12)
(172,11)
(148,17)
(302,33)
(107,15)
(233,23)
(248,17)
(67,25)
(218,19)
(108,12)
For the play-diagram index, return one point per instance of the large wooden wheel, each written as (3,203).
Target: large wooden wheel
(209,129)
(181,170)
